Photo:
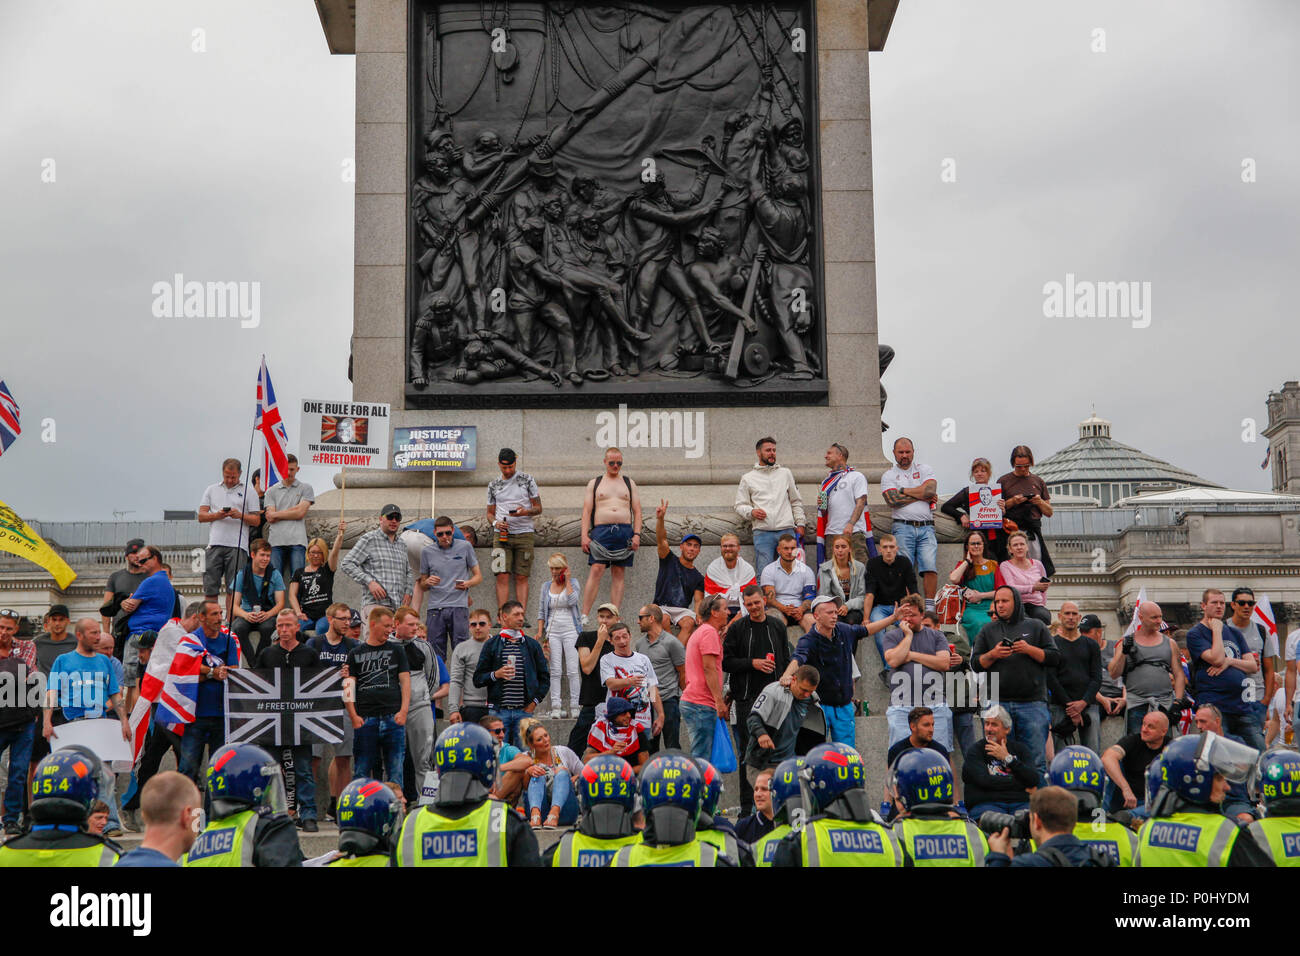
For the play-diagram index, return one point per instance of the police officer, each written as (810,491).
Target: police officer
(1080,771)
(930,829)
(788,811)
(607,798)
(64,786)
(1278,833)
(671,795)
(843,829)
(464,826)
(1185,826)
(250,818)
(714,829)
(370,816)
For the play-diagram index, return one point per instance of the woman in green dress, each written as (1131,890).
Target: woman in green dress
(975,573)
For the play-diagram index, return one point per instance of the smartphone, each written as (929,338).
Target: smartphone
(226,508)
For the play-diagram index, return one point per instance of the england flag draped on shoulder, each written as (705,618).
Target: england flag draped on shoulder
(275,439)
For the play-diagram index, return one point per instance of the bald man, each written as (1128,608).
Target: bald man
(1074,683)
(1127,760)
(1148,661)
(170,805)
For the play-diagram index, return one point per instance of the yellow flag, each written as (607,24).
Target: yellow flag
(17,538)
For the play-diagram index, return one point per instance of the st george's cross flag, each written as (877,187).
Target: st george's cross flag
(267,423)
(285,707)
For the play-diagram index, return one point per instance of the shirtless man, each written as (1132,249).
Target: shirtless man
(611,528)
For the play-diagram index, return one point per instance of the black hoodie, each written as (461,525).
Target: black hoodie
(1021,679)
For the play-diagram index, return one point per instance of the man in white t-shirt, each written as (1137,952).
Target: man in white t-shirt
(1292,691)
(911,490)
(225,507)
(631,675)
(789,585)
(843,497)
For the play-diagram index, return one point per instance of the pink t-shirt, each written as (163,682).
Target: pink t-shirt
(1023,581)
(704,640)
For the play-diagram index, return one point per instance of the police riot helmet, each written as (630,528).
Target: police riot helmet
(466,761)
(1154,778)
(671,794)
(1190,764)
(370,816)
(1079,770)
(837,782)
(244,777)
(607,797)
(64,787)
(712,783)
(922,778)
(787,793)
(1279,782)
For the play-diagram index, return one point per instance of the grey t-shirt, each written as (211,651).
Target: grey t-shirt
(904,692)
(1255,644)
(1110,686)
(666,654)
(281,497)
(450,565)
(47,649)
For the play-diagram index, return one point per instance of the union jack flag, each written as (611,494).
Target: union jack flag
(9,427)
(285,707)
(275,441)
(171,681)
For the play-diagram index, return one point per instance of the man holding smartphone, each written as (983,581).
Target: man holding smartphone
(513,500)
(223,507)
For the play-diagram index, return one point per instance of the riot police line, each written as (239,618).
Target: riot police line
(822,815)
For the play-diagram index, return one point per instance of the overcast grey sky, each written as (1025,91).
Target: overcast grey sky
(226,165)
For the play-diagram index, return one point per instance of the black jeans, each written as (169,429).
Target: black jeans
(743,707)
(244,631)
(578,736)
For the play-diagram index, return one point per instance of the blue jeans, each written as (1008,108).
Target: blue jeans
(700,722)
(367,740)
(765,548)
(919,544)
(205,730)
(19,744)
(671,737)
(1029,726)
(304,781)
(1248,726)
(288,558)
(963,728)
(562,796)
(840,724)
(878,613)
(980,809)
(511,717)
(898,726)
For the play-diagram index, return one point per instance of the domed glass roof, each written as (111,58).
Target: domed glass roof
(1096,457)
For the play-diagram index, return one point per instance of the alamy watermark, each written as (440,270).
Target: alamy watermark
(180,299)
(624,429)
(1085,299)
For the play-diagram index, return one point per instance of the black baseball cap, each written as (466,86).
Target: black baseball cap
(356,619)
(134,545)
(147,639)
(507,456)
(58,610)
(393,510)
(1089,622)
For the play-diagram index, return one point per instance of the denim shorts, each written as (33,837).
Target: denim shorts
(612,537)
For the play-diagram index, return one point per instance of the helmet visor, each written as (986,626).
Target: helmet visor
(1237,762)
(273,795)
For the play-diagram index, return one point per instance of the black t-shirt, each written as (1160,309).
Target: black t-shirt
(1137,757)
(889,582)
(315,590)
(904,745)
(300,656)
(125,582)
(591,692)
(376,669)
(676,584)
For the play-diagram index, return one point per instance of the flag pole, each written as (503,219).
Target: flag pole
(433,491)
(230,594)
(343,490)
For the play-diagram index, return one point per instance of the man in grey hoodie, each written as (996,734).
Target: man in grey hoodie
(1016,651)
(778,718)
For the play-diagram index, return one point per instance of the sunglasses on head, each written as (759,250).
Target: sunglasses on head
(10,614)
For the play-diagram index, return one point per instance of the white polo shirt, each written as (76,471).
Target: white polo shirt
(896,478)
(226,533)
(789,587)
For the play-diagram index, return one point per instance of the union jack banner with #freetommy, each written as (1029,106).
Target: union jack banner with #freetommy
(285,707)
(275,440)
(9,412)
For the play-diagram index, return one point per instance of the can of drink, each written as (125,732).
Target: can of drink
(952,648)
(771,658)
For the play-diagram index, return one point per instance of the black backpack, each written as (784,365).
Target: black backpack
(1096,857)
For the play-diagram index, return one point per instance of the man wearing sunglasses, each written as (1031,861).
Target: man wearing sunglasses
(1222,668)
(378,562)
(465,701)
(1259,643)
(448,569)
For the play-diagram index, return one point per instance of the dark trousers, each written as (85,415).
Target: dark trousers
(743,707)
(578,735)
(160,741)
(245,631)
(472,715)
(670,737)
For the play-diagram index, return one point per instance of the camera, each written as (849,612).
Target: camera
(1018,823)
(1128,644)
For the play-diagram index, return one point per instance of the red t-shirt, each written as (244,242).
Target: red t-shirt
(704,640)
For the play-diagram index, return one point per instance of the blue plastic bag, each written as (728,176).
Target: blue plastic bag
(723,757)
